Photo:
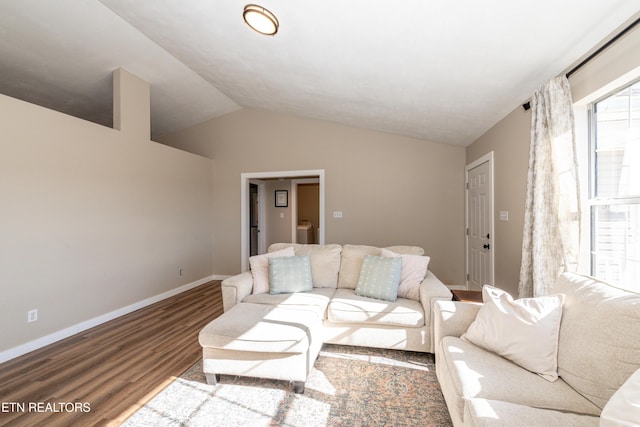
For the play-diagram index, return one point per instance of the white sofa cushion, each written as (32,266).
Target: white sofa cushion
(353,255)
(262,328)
(599,336)
(325,261)
(414,270)
(351,263)
(347,307)
(260,269)
(405,249)
(467,371)
(495,413)
(379,278)
(318,297)
(524,331)
(623,409)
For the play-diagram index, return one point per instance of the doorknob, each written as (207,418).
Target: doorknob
(486,246)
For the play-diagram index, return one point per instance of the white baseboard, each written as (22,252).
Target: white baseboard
(20,350)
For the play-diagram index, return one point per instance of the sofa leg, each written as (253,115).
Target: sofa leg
(212,379)
(298,387)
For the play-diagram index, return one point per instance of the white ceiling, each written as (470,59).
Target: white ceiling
(440,70)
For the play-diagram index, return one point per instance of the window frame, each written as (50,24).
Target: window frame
(594,200)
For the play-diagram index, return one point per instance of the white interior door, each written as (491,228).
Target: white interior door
(480,259)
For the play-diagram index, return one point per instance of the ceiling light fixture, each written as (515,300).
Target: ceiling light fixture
(260,19)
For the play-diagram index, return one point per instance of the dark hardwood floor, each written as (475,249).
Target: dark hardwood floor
(103,375)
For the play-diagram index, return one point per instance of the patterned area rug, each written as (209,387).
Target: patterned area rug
(349,386)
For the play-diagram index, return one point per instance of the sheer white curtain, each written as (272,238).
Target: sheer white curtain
(551,233)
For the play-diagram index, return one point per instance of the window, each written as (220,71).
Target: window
(615,188)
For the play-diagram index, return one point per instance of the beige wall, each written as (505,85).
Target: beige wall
(278,227)
(391,189)
(93,219)
(509,140)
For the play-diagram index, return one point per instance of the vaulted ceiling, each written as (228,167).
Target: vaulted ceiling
(439,70)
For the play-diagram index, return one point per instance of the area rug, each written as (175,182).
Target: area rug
(348,386)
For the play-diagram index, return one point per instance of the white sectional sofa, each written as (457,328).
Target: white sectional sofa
(345,317)
(598,349)
(405,324)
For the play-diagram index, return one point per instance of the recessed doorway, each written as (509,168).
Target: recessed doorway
(305,220)
(295,178)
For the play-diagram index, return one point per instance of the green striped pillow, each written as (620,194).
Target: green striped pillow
(379,278)
(290,274)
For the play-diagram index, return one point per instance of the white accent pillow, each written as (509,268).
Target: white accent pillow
(623,409)
(260,269)
(525,331)
(414,270)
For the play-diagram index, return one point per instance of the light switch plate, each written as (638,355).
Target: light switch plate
(504,215)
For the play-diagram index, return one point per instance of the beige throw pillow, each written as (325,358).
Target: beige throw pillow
(525,331)
(414,270)
(260,269)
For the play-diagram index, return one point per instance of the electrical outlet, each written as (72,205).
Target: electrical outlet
(32,315)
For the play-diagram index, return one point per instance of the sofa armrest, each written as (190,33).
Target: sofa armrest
(452,318)
(235,289)
(432,290)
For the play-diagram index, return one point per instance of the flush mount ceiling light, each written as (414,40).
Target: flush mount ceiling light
(260,19)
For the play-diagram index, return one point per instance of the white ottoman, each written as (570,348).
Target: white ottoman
(264,341)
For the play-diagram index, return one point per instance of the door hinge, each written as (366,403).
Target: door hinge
(467,277)
(467,231)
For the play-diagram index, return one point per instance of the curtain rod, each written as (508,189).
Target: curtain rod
(527,105)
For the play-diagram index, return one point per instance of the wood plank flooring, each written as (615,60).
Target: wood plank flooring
(111,370)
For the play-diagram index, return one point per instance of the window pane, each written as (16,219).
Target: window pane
(616,244)
(617,145)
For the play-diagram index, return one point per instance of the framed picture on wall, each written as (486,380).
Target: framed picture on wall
(282,198)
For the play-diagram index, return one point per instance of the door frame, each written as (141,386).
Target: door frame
(486,158)
(245,177)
